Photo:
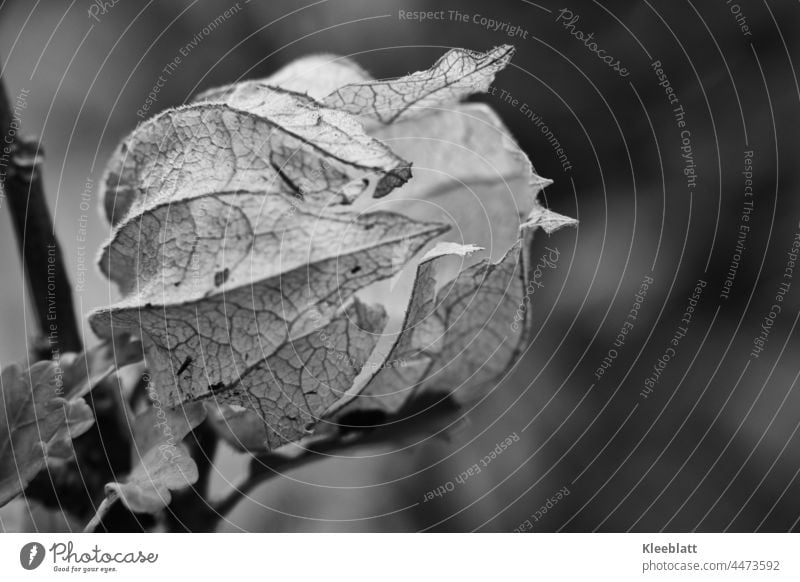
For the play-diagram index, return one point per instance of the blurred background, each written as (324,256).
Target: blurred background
(712,445)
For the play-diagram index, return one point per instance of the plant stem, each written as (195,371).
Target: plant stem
(102,510)
(241,491)
(42,262)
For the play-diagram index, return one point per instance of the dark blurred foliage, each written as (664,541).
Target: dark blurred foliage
(714,447)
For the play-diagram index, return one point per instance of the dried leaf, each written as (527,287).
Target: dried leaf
(463,340)
(456,75)
(478,342)
(416,344)
(161,463)
(266,140)
(292,389)
(188,250)
(202,330)
(317,76)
